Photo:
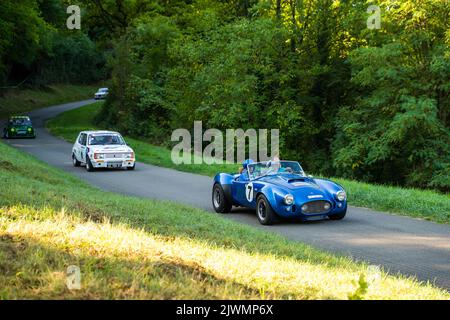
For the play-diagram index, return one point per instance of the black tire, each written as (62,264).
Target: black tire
(132,168)
(264,212)
(219,200)
(338,216)
(75,162)
(89,166)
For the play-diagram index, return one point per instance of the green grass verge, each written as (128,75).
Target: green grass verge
(130,248)
(424,204)
(17,101)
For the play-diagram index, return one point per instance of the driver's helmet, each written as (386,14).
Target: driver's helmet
(246,163)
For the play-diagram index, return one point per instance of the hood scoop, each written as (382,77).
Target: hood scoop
(299,183)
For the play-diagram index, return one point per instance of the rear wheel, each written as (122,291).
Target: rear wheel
(219,200)
(264,211)
(75,162)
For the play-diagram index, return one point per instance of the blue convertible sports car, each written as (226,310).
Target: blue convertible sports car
(279,189)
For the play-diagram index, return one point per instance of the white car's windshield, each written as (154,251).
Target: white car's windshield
(260,169)
(105,139)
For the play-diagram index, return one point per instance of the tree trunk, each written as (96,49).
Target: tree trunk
(278,10)
(292,4)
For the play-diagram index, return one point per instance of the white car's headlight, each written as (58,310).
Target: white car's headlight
(289,199)
(129,155)
(341,196)
(99,156)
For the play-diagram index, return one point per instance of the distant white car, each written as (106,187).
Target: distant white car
(102,93)
(102,149)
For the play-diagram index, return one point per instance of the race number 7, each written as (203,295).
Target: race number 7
(249,192)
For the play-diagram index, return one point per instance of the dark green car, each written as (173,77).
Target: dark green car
(19,127)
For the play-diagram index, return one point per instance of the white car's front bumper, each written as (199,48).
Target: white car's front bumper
(113,163)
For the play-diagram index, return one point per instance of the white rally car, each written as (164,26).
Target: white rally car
(102,149)
(102,93)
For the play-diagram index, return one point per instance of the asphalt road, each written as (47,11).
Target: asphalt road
(399,244)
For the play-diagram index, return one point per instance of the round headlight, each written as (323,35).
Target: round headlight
(289,199)
(304,207)
(341,196)
(326,206)
(29,129)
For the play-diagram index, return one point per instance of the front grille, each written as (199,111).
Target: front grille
(316,207)
(115,155)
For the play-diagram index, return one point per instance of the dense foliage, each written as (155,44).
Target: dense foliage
(37,49)
(349,101)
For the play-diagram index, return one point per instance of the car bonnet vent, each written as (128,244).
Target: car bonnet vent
(298,182)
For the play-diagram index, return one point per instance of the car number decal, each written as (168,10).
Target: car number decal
(249,192)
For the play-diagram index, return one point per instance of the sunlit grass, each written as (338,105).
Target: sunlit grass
(417,203)
(117,262)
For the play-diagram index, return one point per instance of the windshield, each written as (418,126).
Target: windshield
(103,90)
(260,169)
(105,139)
(20,122)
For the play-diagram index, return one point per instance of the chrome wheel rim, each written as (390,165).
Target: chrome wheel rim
(262,210)
(216,198)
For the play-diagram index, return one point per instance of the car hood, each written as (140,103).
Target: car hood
(110,149)
(303,188)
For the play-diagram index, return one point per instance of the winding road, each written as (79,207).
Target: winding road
(398,244)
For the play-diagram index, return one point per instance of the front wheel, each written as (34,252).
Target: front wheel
(264,211)
(338,216)
(219,200)
(89,166)
(132,168)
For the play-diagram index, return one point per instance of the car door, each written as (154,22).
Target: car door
(83,147)
(243,191)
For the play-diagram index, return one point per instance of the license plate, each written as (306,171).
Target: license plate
(114,164)
(21,132)
(315,218)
